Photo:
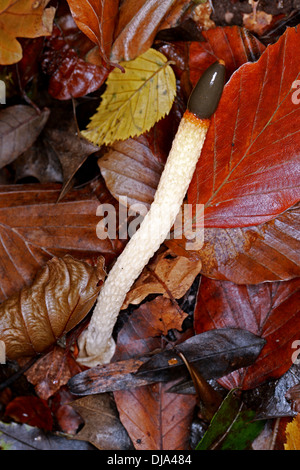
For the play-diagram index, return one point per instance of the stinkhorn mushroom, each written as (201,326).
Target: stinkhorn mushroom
(96,345)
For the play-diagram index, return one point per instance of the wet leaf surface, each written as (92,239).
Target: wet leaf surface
(270,310)
(238,178)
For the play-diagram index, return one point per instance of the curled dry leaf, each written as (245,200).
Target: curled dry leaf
(165,274)
(61,295)
(138,23)
(70,75)
(131,169)
(97,20)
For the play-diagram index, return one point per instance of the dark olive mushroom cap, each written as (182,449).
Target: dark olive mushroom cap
(206,95)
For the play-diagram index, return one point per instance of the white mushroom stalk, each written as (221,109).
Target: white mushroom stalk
(96,345)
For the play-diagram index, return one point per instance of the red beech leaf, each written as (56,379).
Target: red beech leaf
(30,410)
(251,255)
(248,171)
(233,44)
(33,228)
(60,296)
(270,310)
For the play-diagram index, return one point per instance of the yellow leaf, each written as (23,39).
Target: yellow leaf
(22,19)
(293,434)
(133,101)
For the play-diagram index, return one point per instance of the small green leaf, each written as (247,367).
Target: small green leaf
(133,101)
(232,427)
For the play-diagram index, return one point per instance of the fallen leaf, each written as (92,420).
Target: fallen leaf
(17,436)
(35,228)
(53,370)
(152,319)
(233,44)
(60,296)
(102,426)
(232,427)
(119,375)
(39,162)
(30,410)
(270,310)
(228,347)
(25,19)
(71,150)
(208,399)
(138,23)
(293,434)
(133,101)
(166,274)
(244,177)
(29,66)
(70,75)
(130,169)
(154,418)
(131,369)
(97,20)
(20,126)
(278,398)
(67,418)
(252,255)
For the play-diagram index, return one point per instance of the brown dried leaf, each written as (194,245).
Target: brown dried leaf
(52,371)
(139,21)
(166,274)
(39,162)
(70,75)
(61,295)
(20,125)
(131,169)
(102,426)
(97,20)
(34,228)
(154,418)
(71,150)
(150,320)
(119,375)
